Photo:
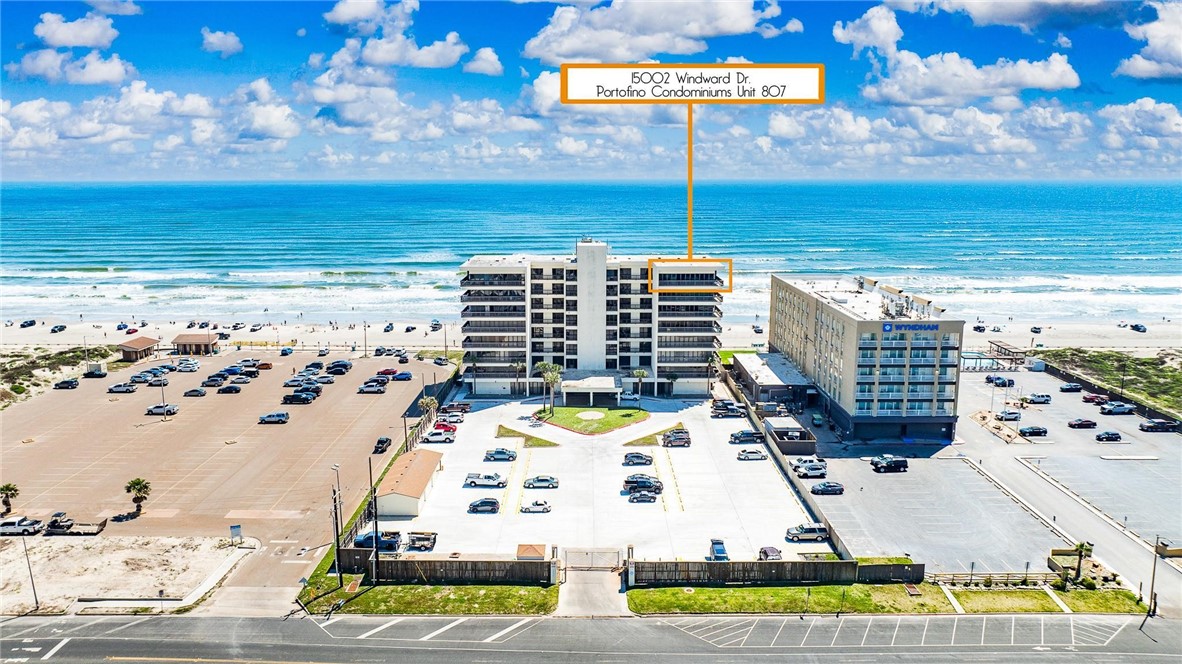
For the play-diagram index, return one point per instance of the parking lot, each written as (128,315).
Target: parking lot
(708,492)
(940,512)
(1147,489)
(211,465)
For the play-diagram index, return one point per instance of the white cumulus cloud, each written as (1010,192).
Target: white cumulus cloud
(91,31)
(1162,55)
(44,63)
(93,69)
(485,61)
(1025,14)
(223,43)
(115,7)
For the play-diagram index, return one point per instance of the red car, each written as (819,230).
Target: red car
(444,426)
(131,330)
(1081,424)
(1098,399)
(387,372)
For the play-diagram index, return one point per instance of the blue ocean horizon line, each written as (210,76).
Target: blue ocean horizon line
(655,182)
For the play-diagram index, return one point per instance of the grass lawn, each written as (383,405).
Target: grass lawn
(530,441)
(453,356)
(449,600)
(1005,601)
(860,598)
(725,356)
(567,417)
(1153,380)
(645,441)
(1101,601)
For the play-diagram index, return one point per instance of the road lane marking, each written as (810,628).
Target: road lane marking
(130,624)
(508,629)
(442,629)
(282,541)
(53,650)
(380,628)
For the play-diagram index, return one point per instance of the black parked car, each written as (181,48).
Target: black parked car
(95,374)
(298,397)
(888,464)
(229,389)
(637,459)
(28,323)
(1108,436)
(68,384)
(1071,387)
(382,445)
(485,505)
(389,327)
(1137,327)
(1032,431)
(57,328)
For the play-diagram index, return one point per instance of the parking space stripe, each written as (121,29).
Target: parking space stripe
(867,632)
(380,628)
(1013,630)
(782,623)
(926,622)
(808,631)
(442,629)
(707,628)
(983,621)
(1115,632)
(508,629)
(126,625)
(895,634)
(53,650)
(839,626)
(332,620)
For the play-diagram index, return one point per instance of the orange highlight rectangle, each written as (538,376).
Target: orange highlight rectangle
(730,273)
(752,69)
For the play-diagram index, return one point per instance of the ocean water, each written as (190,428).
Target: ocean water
(1052,251)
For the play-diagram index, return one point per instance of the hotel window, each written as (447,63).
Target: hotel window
(610,363)
(572,320)
(572,363)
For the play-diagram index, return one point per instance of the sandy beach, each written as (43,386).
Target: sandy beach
(353,337)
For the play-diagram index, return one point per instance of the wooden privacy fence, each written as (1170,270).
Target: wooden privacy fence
(780,572)
(443,572)
(910,573)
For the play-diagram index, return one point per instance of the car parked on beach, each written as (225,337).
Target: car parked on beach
(229,389)
(131,330)
(31,323)
(389,327)
(1137,327)
(57,328)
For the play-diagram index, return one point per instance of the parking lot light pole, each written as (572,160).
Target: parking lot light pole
(364,339)
(36,602)
(1152,578)
(336,540)
(336,468)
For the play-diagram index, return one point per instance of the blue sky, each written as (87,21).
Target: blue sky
(366,89)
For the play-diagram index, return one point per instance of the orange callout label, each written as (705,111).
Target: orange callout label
(692,83)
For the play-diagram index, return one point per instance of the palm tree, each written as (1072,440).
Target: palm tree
(428,404)
(551,375)
(672,378)
(7,493)
(519,368)
(140,489)
(639,375)
(1082,549)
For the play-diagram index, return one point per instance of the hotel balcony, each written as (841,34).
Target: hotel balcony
(492,357)
(493,281)
(670,298)
(923,361)
(684,372)
(684,358)
(711,342)
(492,328)
(552,319)
(690,312)
(553,289)
(690,328)
(668,281)
(924,343)
(509,312)
(491,297)
(506,343)
(495,371)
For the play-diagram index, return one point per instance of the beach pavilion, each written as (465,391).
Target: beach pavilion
(138,348)
(196,344)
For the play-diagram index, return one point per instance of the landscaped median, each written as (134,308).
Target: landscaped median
(858,598)
(652,439)
(592,421)
(530,441)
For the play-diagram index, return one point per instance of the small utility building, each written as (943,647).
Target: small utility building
(773,377)
(196,344)
(404,488)
(138,348)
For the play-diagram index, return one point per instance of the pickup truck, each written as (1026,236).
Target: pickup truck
(456,407)
(500,454)
(387,540)
(60,524)
(438,436)
(717,551)
(1117,408)
(478,479)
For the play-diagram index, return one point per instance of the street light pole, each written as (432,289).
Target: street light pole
(336,468)
(1124,371)
(36,603)
(364,339)
(336,540)
(1152,578)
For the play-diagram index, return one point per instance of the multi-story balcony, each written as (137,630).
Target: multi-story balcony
(690,312)
(925,343)
(670,298)
(635,307)
(477,327)
(492,297)
(706,342)
(552,334)
(894,344)
(543,348)
(632,319)
(493,357)
(684,358)
(552,319)
(493,281)
(690,281)
(493,312)
(493,342)
(923,361)
(553,289)
(868,343)
(690,328)
(890,378)
(494,371)
(644,347)
(686,372)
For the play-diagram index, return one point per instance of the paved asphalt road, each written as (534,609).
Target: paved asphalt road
(999,638)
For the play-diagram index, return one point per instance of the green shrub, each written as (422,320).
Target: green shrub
(18,389)
(988,582)
(1059,584)
(1088,583)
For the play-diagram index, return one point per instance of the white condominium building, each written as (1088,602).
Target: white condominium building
(886,362)
(595,316)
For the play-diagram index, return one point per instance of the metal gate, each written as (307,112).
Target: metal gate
(591,559)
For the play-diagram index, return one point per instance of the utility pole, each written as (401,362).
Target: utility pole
(36,602)
(373,503)
(364,339)
(336,540)
(336,468)
(1153,578)
(1124,371)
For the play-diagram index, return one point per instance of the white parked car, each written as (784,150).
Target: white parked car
(158,382)
(538,506)
(752,455)
(811,470)
(122,387)
(325,380)
(240,380)
(628,396)
(452,418)
(293,382)
(1008,416)
(438,436)
(248,362)
(187,368)
(277,417)
(807,460)
(371,389)
(1037,398)
(164,409)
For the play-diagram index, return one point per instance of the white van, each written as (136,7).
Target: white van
(1037,398)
